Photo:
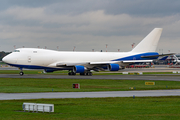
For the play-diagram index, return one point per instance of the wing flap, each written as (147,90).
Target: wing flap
(103,63)
(137,61)
(67,64)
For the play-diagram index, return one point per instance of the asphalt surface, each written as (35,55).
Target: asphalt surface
(148,93)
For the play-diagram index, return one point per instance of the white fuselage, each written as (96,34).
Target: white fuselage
(46,58)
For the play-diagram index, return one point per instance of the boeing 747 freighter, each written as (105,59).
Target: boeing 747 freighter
(84,62)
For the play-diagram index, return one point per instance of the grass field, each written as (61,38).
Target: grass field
(140,108)
(148,108)
(23,85)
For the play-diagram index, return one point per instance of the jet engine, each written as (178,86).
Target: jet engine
(49,70)
(113,67)
(79,69)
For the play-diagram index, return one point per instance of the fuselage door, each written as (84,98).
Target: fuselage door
(29,59)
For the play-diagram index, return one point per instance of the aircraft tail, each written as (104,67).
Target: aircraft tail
(150,42)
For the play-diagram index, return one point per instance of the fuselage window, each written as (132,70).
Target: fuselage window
(34,51)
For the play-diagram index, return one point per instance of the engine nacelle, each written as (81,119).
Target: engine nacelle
(79,69)
(113,67)
(48,70)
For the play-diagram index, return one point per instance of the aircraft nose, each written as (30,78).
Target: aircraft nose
(4,59)
(7,59)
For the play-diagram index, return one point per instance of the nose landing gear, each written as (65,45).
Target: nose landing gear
(21,73)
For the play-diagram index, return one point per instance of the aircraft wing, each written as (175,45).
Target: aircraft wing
(104,63)
(119,62)
(66,64)
(95,64)
(136,61)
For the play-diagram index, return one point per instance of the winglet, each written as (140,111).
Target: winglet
(150,42)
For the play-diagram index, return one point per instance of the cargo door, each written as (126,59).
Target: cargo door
(29,59)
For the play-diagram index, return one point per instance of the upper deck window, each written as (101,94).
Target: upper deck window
(16,50)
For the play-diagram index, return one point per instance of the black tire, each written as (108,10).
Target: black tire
(71,73)
(86,73)
(89,73)
(21,73)
(82,74)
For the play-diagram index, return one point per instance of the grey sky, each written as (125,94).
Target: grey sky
(88,24)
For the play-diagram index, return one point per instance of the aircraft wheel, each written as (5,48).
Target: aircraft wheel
(89,73)
(86,73)
(71,73)
(82,73)
(21,73)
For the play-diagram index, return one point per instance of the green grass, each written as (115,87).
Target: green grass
(23,85)
(142,108)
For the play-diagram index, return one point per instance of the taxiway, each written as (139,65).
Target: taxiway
(147,93)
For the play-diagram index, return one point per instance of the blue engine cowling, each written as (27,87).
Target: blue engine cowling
(49,70)
(79,69)
(113,67)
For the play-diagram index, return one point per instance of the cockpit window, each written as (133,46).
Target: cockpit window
(16,50)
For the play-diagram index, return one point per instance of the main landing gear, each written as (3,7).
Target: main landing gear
(71,73)
(85,73)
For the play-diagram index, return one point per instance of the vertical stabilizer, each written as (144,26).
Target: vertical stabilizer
(150,42)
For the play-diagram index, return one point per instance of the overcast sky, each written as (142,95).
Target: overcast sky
(88,24)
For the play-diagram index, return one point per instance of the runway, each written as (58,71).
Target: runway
(170,77)
(148,93)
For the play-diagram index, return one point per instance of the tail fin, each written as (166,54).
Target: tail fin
(150,42)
